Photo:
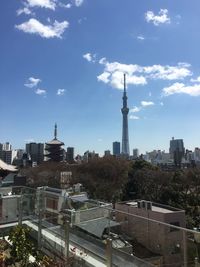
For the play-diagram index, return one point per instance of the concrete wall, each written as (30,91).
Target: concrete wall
(10,208)
(154,236)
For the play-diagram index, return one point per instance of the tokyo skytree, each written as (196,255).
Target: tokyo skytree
(125,110)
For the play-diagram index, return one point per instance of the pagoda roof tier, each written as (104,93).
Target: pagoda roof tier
(55,142)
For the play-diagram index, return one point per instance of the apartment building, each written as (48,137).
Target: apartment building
(138,220)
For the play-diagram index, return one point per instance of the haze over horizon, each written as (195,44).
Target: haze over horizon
(63,61)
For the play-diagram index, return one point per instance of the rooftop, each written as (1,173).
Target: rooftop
(6,167)
(55,142)
(156,207)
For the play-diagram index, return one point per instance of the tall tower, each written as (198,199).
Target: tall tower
(125,110)
(54,150)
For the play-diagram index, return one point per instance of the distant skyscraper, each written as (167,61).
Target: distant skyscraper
(135,153)
(125,110)
(107,153)
(70,155)
(54,151)
(8,156)
(36,152)
(6,153)
(116,148)
(177,150)
(7,146)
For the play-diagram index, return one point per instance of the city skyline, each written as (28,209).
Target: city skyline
(62,61)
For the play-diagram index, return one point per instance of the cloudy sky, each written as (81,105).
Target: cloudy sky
(63,61)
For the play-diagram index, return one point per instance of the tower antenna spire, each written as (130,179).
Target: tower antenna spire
(55,131)
(124,82)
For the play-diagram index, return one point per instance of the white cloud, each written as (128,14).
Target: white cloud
(132,117)
(32,82)
(60,92)
(137,80)
(181,88)
(168,72)
(34,26)
(116,70)
(50,4)
(161,18)
(65,5)
(161,103)
(104,77)
(116,80)
(140,37)
(40,91)
(78,2)
(89,57)
(135,109)
(103,61)
(147,103)
(138,75)
(25,11)
(196,80)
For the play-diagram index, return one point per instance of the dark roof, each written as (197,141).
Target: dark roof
(9,178)
(97,226)
(55,142)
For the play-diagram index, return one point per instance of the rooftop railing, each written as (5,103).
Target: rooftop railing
(97,235)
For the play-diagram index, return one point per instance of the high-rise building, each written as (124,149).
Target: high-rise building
(107,153)
(70,155)
(135,153)
(7,146)
(177,150)
(7,156)
(54,150)
(125,111)
(197,154)
(36,152)
(6,153)
(90,156)
(116,148)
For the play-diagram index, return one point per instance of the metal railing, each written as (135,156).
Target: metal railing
(106,237)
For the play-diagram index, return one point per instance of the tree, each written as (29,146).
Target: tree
(22,247)
(103,178)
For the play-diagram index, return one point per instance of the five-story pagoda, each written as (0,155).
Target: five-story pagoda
(54,150)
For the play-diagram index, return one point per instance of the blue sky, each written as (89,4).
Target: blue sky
(63,61)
